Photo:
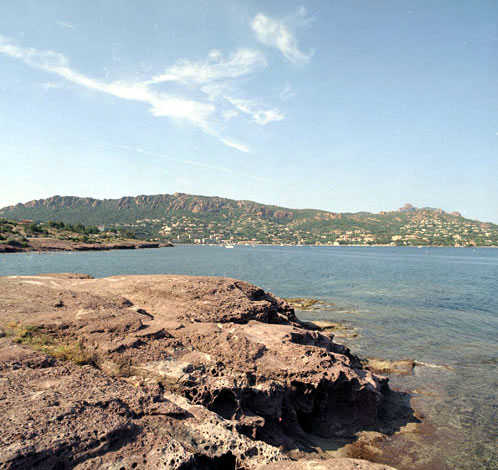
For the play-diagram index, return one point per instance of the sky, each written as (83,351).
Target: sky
(338,105)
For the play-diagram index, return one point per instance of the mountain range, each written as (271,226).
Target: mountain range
(185,218)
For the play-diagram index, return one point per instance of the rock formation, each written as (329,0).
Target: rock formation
(170,372)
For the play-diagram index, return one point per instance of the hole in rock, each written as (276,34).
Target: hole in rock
(305,420)
(225,404)
(203,462)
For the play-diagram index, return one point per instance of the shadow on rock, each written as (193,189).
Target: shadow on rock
(395,412)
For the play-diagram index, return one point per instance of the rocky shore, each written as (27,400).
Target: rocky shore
(174,372)
(53,244)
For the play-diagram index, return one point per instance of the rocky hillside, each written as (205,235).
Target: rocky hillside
(186,218)
(175,372)
(126,209)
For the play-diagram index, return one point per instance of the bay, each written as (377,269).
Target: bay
(438,306)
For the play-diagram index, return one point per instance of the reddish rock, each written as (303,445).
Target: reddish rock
(184,372)
(329,464)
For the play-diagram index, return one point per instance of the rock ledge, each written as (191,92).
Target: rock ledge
(178,372)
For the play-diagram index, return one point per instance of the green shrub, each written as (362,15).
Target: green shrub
(18,243)
(35,228)
(57,224)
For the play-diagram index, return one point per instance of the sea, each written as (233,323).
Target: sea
(436,306)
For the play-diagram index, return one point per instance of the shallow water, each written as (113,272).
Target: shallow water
(438,306)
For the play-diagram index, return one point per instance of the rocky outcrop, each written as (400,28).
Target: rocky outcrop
(54,244)
(59,415)
(177,372)
(407,208)
(386,367)
(329,464)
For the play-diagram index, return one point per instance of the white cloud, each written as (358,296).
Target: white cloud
(241,62)
(161,104)
(278,33)
(64,24)
(229,114)
(215,77)
(227,140)
(247,106)
(260,116)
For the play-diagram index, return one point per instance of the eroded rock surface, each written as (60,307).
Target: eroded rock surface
(329,464)
(182,372)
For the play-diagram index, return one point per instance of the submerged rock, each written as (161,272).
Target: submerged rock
(304,304)
(385,366)
(182,372)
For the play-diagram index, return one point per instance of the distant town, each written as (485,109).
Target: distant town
(183,218)
(429,230)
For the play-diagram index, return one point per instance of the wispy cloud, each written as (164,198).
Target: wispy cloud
(227,140)
(51,85)
(216,67)
(207,115)
(260,115)
(162,104)
(229,114)
(213,75)
(286,92)
(64,24)
(187,162)
(279,33)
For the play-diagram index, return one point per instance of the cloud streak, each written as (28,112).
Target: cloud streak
(206,115)
(278,33)
(187,162)
(64,24)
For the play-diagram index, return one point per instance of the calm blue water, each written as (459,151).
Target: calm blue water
(436,305)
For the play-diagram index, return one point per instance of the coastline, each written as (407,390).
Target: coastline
(283,384)
(385,299)
(53,244)
(374,445)
(337,246)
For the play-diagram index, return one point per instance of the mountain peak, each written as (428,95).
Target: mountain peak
(407,208)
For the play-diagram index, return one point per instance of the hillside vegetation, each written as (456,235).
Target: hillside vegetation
(184,218)
(49,236)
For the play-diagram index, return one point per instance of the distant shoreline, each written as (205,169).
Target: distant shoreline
(62,246)
(55,245)
(337,246)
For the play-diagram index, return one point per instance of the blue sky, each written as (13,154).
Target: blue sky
(338,105)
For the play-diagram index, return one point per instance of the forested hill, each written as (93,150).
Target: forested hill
(187,218)
(127,209)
